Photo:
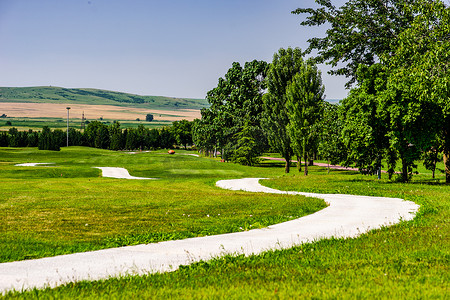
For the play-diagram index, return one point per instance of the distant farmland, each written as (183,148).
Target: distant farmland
(92,112)
(33,107)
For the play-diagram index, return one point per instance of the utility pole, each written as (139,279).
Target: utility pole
(67,126)
(82,121)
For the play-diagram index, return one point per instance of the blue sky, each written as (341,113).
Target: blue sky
(175,48)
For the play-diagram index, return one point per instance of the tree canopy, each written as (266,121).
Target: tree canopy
(360,32)
(235,102)
(286,63)
(305,102)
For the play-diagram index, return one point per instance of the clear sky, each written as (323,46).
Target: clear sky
(175,48)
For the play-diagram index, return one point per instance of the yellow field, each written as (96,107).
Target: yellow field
(92,112)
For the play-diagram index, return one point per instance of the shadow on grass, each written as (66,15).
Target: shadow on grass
(415,181)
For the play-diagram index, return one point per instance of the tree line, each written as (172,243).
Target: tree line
(100,135)
(395,55)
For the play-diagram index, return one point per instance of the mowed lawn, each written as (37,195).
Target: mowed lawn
(69,207)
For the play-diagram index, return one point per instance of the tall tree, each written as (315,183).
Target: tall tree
(331,145)
(92,131)
(48,140)
(419,73)
(235,101)
(286,63)
(408,39)
(182,130)
(364,122)
(305,101)
(115,136)
(246,151)
(153,138)
(166,138)
(359,32)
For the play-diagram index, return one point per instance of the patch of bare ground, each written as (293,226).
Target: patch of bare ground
(55,110)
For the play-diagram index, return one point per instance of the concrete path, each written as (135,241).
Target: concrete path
(346,216)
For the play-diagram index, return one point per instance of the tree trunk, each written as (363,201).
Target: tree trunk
(288,165)
(434,167)
(299,163)
(379,168)
(305,156)
(328,160)
(447,165)
(404,170)
(306,164)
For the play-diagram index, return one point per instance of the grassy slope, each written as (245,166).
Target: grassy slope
(95,96)
(409,260)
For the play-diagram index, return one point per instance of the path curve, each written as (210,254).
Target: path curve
(346,216)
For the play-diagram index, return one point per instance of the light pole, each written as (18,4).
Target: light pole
(67,126)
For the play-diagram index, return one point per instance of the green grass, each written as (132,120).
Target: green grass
(78,210)
(440,168)
(406,261)
(49,94)
(36,124)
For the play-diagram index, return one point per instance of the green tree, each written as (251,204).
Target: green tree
(409,40)
(115,136)
(90,133)
(14,137)
(166,138)
(237,99)
(358,33)
(247,150)
(431,158)
(305,101)
(48,140)
(419,72)
(4,139)
(286,63)
(102,137)
(131,139)
(182,131)
(142,137)
(153,138)
(204,133)
(149,117)
(76,138)
(331,145)
(32,138)
(365,124)
(59,137)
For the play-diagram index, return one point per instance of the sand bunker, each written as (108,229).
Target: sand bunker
(120,173)
(33,164)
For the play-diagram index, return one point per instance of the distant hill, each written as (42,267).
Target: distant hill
(50,94)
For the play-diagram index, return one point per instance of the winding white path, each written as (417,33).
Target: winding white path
(346,216)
